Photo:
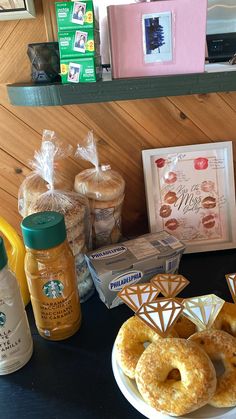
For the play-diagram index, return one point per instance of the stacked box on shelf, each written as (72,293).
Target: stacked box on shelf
(79,42)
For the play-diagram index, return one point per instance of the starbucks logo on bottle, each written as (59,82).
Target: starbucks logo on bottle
(2,319)
(53,289)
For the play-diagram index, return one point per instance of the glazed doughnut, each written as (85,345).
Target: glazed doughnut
(129,343)
(226,319)
(184,327)
(198,378)
(165,211)
(220,346)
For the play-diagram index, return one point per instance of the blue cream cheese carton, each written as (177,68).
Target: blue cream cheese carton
(131,262)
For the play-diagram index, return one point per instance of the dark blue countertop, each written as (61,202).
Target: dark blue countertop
(73,379)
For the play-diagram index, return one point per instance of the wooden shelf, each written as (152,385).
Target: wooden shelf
(109,90)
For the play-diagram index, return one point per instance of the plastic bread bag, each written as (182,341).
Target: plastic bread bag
(44,173)
(73,206)
(75,209)
(104,188)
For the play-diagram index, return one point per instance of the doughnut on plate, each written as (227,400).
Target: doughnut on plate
(131,393)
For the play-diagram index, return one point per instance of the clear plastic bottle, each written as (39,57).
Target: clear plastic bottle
(16,345)
(50,272)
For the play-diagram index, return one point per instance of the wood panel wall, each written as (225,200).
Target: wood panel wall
(123,128)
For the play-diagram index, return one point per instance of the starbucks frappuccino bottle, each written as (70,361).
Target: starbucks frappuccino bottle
(16,345)
(50,272)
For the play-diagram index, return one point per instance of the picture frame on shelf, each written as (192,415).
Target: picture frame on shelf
(157,37)
(17,9)
(190,193)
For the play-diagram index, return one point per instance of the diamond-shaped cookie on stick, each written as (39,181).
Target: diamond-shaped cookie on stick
(203,310)
(170,285)
(231,281)
(160,315)
(135,295)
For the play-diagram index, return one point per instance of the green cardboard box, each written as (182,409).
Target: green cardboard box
(81,70)
(75,14)
(79,43)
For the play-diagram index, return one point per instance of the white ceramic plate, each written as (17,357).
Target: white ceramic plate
(131,393)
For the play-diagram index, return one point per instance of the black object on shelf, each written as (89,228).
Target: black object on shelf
(221,47)
(45,61)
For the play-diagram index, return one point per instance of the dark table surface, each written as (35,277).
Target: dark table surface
(73,378)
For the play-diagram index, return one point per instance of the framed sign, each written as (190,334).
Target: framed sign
(190,193)
(16,9)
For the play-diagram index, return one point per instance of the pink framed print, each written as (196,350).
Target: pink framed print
(190,193)
(154,38)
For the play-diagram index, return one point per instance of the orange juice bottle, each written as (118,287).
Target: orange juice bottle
(50,272)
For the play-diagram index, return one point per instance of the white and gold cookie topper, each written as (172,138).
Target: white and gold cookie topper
(135,295)
(160,315)
(203,310)
(231,281)
(170,285)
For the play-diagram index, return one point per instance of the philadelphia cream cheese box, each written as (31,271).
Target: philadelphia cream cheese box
(131,262)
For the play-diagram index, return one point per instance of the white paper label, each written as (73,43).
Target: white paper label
(15,336)
(141,248)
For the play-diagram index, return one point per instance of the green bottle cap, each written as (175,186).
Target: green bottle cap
(3,255)
(43,230)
